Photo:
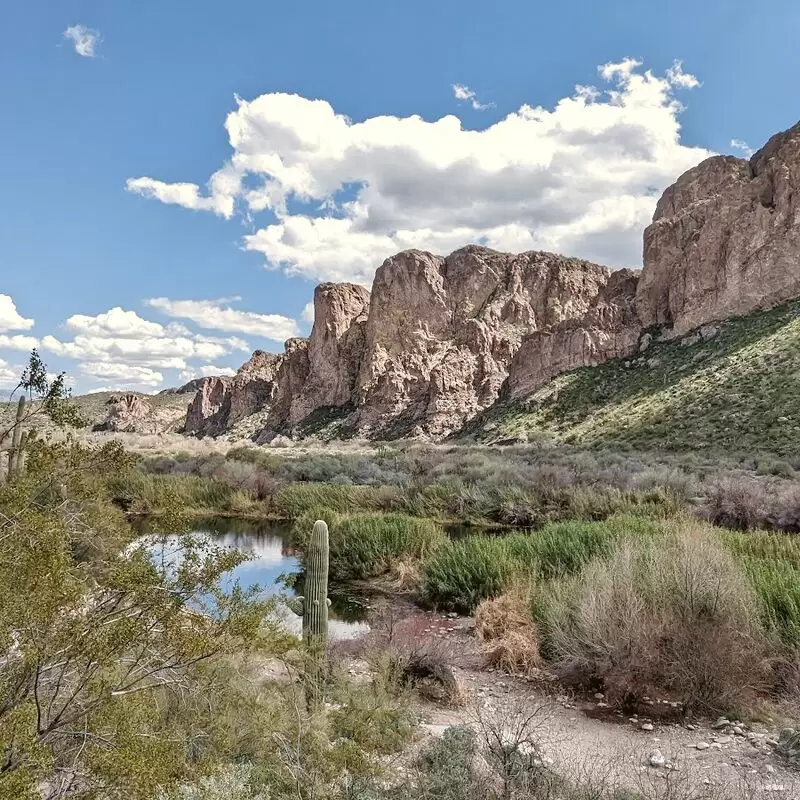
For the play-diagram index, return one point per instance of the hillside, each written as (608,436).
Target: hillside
(738,389)
(167,410)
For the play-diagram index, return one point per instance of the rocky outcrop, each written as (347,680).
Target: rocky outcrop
(725,239)
(335,349)
(441,332)
(609,329)
(209,411)
(222,402)
(130,413)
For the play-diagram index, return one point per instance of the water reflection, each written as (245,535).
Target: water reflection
(274,566)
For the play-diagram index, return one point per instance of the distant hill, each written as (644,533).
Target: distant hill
(738,390)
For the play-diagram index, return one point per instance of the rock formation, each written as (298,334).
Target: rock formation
(130,413)
(609,329)
(221,402)
(725,239)
(439,337)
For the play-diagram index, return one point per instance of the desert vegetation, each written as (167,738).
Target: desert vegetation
(640,578)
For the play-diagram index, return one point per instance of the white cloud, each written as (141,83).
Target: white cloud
(123,373)
(84,40)
(218,315)
(677,77)
(738,144)
(464,93)
(10,318)
(9,375)
(120,345)
(308,312)
(581,178)
(18,342)
(182,194)
(206,371)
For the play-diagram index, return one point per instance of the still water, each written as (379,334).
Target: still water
(274,566)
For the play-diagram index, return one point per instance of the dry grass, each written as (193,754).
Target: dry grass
(509,635)
(674,615)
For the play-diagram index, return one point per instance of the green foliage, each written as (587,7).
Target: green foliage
(94,631)
(296,499)
(144,493)
(446,766)
(233,782)
(469,570)
(367,545)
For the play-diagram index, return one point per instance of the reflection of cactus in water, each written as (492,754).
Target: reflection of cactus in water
(314,609)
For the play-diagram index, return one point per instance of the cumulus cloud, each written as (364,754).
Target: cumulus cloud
(18,342)
(738,144)
(84,40)
(308,312)
(677,77)
(123,374)
(120,345)
(9,375)
(206,371)
(10,318)
(220,315)
(182,194)
(580,178)
(464,93)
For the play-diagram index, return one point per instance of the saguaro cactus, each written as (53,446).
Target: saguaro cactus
(314,608)
(16,459)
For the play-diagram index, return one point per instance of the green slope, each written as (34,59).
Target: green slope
(738,391)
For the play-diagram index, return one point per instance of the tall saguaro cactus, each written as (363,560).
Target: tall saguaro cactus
(16,455)
(314,608)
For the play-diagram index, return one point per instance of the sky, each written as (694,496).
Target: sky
(176,177)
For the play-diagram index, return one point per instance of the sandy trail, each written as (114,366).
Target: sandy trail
(579,736)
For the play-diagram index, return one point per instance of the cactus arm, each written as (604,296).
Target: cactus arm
(296,605)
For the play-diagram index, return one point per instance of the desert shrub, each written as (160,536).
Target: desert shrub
(372,719)
(445,766)
(736,501)
(508,632)
(786,508)
(673,613)
(233,782)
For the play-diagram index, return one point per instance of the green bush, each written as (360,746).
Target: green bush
(466,571)
(295,499)
(146,493)
(368,544)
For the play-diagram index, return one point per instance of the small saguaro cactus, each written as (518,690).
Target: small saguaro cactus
(314,608)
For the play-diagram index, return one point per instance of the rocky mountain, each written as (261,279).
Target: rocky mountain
(439,339)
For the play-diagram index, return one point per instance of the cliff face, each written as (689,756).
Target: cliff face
(221,402)
(725,239)
(442,331)
(609,329)
(439,338)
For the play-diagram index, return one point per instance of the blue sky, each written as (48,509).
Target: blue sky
(361,128)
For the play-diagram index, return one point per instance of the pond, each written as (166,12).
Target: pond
(274,566)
